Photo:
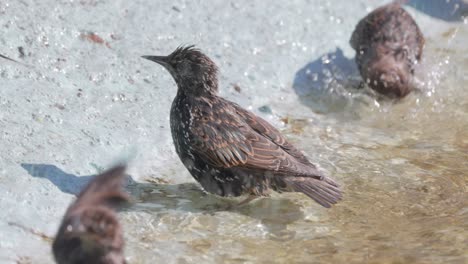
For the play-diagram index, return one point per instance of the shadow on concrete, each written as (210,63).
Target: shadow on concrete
(330,84)
(66,182)
(274,213)
(453,10)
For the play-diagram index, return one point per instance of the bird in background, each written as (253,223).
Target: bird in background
(388,45)
(227,149)
(90,231)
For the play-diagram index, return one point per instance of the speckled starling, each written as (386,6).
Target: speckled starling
(388,45)
(227,149)
(90,231)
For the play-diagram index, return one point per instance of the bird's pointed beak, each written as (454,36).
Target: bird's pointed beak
(158,59)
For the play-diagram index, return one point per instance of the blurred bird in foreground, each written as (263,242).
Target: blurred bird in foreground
(90,231)
(227,149)
(388,45)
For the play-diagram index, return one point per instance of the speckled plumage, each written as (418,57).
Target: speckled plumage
(388,45)
(90,231)
(227,149)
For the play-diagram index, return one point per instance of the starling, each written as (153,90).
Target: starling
(388,45)
(90,231)
(227,149)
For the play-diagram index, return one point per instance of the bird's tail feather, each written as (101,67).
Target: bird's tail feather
(326,192)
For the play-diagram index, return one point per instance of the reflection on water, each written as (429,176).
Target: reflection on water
(403,167)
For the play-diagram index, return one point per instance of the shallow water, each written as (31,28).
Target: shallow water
(403,167)
(79,105)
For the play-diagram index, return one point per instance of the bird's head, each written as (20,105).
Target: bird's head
(87,234)
(388,70)
(194,72)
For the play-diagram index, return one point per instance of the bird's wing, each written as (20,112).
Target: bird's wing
(229,136)
(262,127)
(219,138)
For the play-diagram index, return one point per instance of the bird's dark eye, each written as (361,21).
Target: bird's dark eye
(362,50)
(179,67)
(401,53)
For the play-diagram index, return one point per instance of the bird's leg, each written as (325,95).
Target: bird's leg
(247,200)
